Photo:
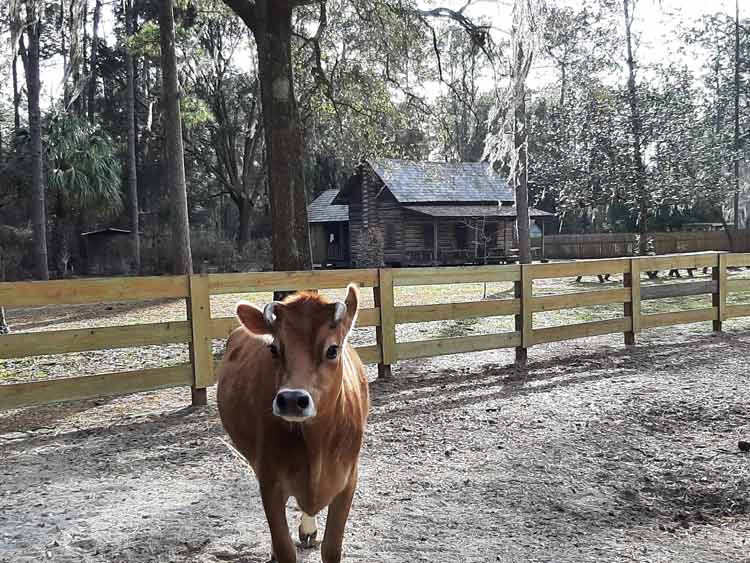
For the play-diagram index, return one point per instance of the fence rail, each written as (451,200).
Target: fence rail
(202,328)
(612,245)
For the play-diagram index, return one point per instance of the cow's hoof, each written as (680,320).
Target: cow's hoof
(308,541)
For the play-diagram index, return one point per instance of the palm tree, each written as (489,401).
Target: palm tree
(84,177)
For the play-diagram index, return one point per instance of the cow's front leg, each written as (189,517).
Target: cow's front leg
(274,504)
(338,512)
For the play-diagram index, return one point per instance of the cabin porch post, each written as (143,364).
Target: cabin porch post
(435,242)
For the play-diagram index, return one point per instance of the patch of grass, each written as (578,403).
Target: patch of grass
(452,329)
(5,373)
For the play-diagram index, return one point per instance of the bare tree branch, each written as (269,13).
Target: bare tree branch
(245,9)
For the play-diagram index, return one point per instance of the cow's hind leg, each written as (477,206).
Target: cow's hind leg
(274,504)
(338,512)
(308,531)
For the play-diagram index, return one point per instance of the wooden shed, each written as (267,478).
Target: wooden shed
(329,230)
(108,252)
(431,213)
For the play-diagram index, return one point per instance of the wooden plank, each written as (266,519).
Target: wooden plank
(719,295)
(738,285)
(579,268)
(678,261)
(74,388)
(459,345)
(632,309)
(733,311)
(199,317)
(98,290)
(679,317)
(368,317)
(222,327)
(678,290)
(580,299)
(580,330)
(368,354)
(386,333)
(738,259)
(458,274)
(525,321)
(635,295)
(21,345)
(276,281)
(456,311)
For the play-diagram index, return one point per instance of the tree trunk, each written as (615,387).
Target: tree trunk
(132,163)
(244,206)
(736,116)
(521,175)
(4,328)
(16,96)
(288,200)
(95,57)
(563,84)
(15,25)
(76,23)
(30,59)
(635,122)
(182,262)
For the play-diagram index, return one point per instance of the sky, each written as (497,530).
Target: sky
(657,23)
(656,26)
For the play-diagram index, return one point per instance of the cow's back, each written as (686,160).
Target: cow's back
(244,386)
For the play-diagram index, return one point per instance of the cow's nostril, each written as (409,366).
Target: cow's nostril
(303,402)
(280,401)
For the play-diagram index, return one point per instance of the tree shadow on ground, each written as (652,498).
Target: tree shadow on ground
(509,381)
(29,319)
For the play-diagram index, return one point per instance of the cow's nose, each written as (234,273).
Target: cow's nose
(294,404)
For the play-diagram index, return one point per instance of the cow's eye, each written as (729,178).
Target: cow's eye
(274,350)
(332,352)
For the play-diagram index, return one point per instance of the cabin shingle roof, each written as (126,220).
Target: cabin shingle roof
(321,210)
(473,211)
(446,182)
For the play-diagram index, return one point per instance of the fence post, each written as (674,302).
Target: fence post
(632,280)
(201,354)
(719,297)
(523,290)
(386,332)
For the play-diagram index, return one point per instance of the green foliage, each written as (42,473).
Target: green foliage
(145,42)
(82,165)
(194,111)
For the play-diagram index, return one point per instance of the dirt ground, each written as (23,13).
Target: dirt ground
(594,453)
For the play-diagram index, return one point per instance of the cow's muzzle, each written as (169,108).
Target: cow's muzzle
(294,405)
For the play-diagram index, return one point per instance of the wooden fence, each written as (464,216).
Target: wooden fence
(202,328)
(613,245)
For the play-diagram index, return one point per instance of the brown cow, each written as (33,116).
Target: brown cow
(293,397)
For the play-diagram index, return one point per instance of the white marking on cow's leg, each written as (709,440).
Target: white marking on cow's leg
(308,524)
(308,531)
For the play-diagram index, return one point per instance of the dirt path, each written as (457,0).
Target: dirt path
(618,455)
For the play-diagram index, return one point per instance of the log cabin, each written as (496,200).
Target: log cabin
(407,213)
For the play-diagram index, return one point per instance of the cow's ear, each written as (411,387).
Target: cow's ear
(352,307)
(251,317)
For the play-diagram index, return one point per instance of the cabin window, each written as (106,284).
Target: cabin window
(462,236)
(428,235)
(390,236)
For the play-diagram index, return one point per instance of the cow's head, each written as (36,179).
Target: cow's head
(306,339)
